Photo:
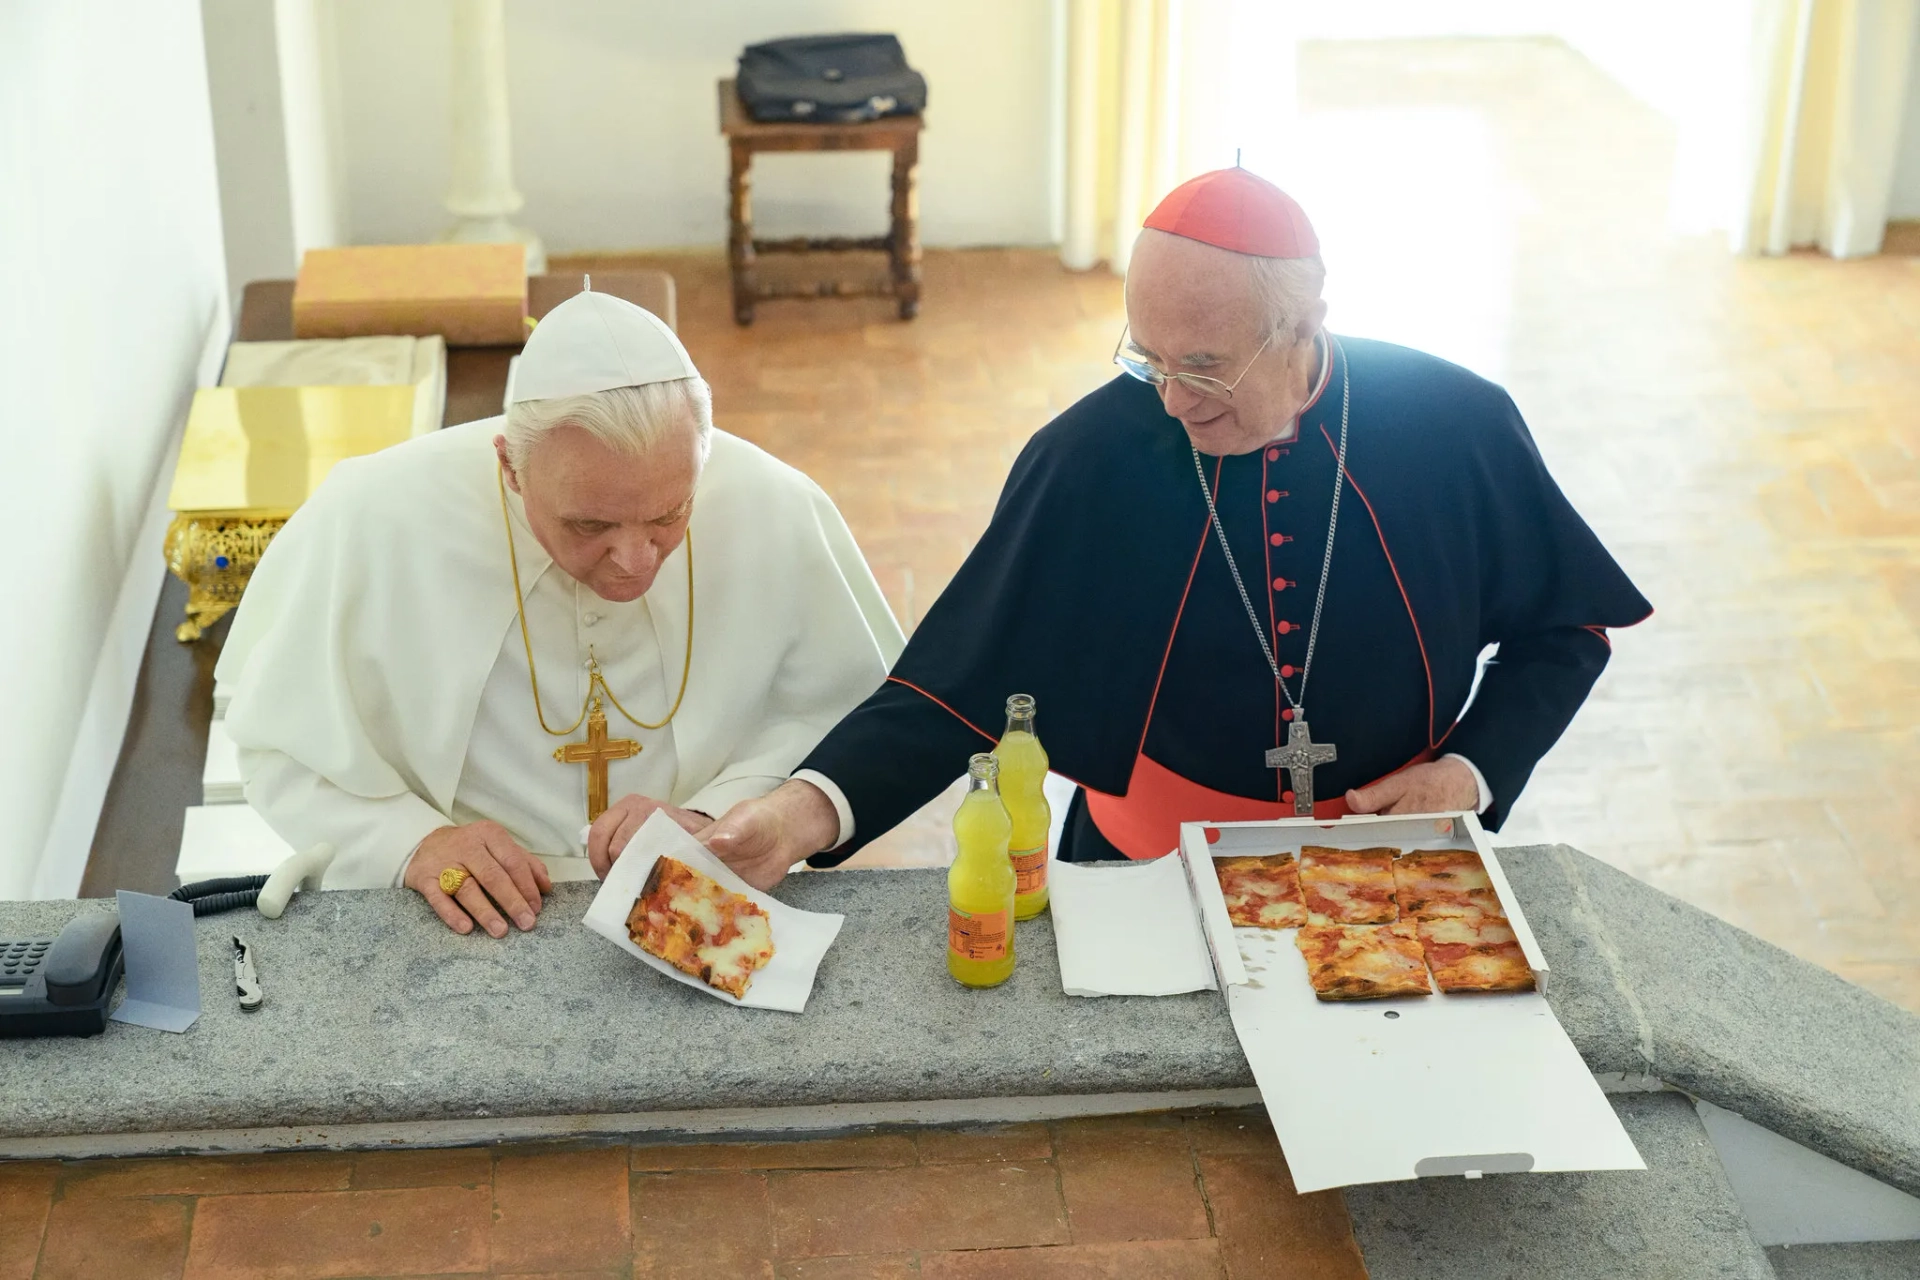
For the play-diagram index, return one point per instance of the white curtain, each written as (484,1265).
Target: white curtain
(1148,105)
(1829,92)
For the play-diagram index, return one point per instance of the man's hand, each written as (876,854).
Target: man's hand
(499,872)
(762,839)
(1439,786)
(607,837)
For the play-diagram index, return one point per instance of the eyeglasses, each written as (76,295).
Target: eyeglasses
(1198,383)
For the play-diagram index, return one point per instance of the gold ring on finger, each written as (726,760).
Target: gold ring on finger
(451,879)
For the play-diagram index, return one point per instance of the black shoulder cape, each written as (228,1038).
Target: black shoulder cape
(1452,537)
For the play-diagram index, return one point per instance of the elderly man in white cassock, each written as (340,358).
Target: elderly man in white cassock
(462,646)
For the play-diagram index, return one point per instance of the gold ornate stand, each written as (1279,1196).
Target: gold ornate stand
(214,553)
(249,457)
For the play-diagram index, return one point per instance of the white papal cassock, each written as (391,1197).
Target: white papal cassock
(380,686)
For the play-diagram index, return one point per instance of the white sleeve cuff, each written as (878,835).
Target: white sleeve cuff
(839,799)
(717,797)
(1479,780)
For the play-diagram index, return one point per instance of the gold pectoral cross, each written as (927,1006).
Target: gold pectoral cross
(596,753)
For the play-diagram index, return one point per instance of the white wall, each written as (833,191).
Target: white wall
(250,140)
(110,261)
(615,128)
(270,82)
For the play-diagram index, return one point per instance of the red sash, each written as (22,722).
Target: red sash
(1145,822)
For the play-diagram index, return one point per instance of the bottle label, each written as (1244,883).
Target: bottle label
(1029,870)
(978,937)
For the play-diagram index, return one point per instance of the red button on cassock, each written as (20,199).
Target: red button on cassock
(1285,627)
(1279,584)
(1287,670)
(1286,713)
(1276,538)
(1273,455)
(1273,495)
(1286,797)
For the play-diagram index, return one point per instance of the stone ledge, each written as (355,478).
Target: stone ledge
(1645,984)
(1887,1260)
(377,1015)
(1676,1221)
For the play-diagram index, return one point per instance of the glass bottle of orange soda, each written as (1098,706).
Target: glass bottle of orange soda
(1023,773)
(980,883)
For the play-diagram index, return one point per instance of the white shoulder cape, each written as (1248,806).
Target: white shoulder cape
(370,626)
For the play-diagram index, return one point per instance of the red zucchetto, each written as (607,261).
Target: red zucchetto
(1235,209)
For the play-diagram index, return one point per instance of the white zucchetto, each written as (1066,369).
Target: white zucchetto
(596,342)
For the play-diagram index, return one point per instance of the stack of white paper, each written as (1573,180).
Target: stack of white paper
(220,777)
(1128,931)
(227,840)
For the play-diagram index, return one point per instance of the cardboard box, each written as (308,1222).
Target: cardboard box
(1417,1086)
(475,295)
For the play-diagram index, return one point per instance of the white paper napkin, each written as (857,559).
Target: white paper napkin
(800,938)
(1127,931)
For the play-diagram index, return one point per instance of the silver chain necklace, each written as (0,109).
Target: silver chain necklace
(1301,754)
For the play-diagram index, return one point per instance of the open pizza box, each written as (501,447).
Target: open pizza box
(1415,1086)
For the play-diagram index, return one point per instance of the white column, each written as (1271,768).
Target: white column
(1080,247)
(481,194)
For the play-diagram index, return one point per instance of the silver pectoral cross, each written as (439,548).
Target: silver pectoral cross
(1300,757)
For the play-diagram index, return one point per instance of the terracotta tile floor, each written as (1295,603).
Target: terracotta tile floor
(1164,1197)
(1743,433)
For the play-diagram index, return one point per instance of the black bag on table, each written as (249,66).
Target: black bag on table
(829,80)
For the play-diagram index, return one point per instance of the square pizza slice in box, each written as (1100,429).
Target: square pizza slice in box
(1363,962)
(1262,892)
(1348,886)
(1431,883)
(1474,953)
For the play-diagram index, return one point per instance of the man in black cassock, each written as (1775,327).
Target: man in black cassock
(1175,652)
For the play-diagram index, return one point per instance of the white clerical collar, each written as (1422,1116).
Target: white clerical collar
(1321,379)
(1326,372)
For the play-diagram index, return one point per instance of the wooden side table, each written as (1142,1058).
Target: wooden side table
(745,136)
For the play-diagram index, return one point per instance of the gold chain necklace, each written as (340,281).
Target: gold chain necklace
(596,683)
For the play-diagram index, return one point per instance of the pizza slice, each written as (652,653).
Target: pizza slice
(1363,962)
(700,927)
(1262,893)
(1474,953)
(1348,886)
(1430,883)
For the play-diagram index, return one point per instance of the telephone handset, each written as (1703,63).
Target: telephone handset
(60,986)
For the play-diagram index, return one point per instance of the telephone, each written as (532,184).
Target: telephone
(60,986)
